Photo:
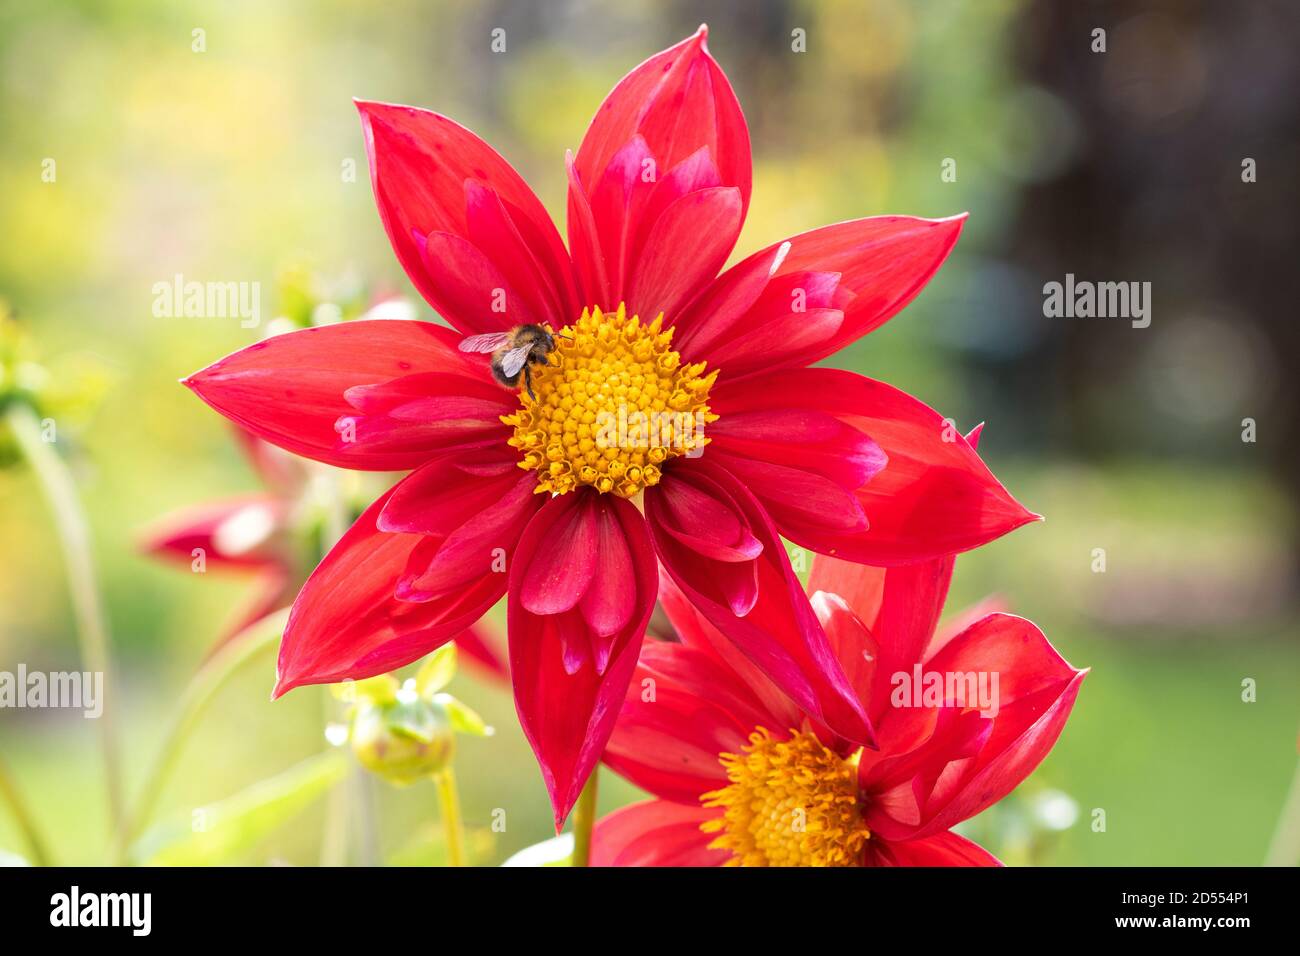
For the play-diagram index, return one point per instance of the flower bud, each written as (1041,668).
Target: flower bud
(404,740)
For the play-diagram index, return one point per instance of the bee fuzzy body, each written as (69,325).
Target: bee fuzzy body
(539,342)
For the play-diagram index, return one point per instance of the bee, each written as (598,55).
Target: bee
(514,352)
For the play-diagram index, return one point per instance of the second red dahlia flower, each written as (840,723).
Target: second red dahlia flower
(743,776)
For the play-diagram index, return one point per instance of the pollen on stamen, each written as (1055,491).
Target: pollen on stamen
(613,403)
(791,802)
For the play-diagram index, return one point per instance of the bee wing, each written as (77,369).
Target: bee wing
(514,360)
(487,342)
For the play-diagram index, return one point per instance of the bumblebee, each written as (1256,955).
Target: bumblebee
(514,352)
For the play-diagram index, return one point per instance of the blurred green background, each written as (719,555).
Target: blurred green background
(231,164)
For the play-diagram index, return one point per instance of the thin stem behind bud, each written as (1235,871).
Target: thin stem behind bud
(449,800)
(92,630)
(9,794)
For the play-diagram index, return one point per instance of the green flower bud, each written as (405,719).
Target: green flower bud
(405,740)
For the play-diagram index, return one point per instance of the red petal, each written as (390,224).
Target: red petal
(677,110)
(942,849)
(797,455)
(882,264)
(934,497)
(1035,693)
(558,581)
(677,101)
(232,533)
(421,165)
(566,707)
(781,633)
(655,833)
(470,522)
(347,623)
(289,389)
(900,606)
(684,708)
(684,250)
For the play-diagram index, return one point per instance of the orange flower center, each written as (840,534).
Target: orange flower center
(612,405)
(789,803)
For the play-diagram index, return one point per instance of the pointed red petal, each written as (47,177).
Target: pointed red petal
(431,175)
(1035,691)
(566,707)
(290,390)
(876,266)
(684,708)
(934,496)
(671,130)
(347,623)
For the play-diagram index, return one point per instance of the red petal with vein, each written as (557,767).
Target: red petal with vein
(566,707)
(421,166)
(882,264)
(684,250)
(695,632)
(289,389)
(942,849)
(584,240)
(780,633)
(803,464)
(854,644)
(1035,693)
(934,497)
(900,606)
(675,116)
(469,522)
(347,623)
(426,414)
(176,536)
(655,833)
(684,708)
(677,101)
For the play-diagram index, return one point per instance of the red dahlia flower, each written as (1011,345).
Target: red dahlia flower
(743,776)
(644,330)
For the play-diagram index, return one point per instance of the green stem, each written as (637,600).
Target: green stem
(584,820)
(215,673)
(449,801)
(74,537)
(10,795)
(1284,849)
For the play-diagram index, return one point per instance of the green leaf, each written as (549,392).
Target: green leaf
(464,718)
(437,672)
(218,832)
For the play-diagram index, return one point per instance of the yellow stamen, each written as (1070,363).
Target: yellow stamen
(612,405)
(790,803)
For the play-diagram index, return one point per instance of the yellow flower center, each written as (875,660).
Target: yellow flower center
(612,404)
(790,803)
